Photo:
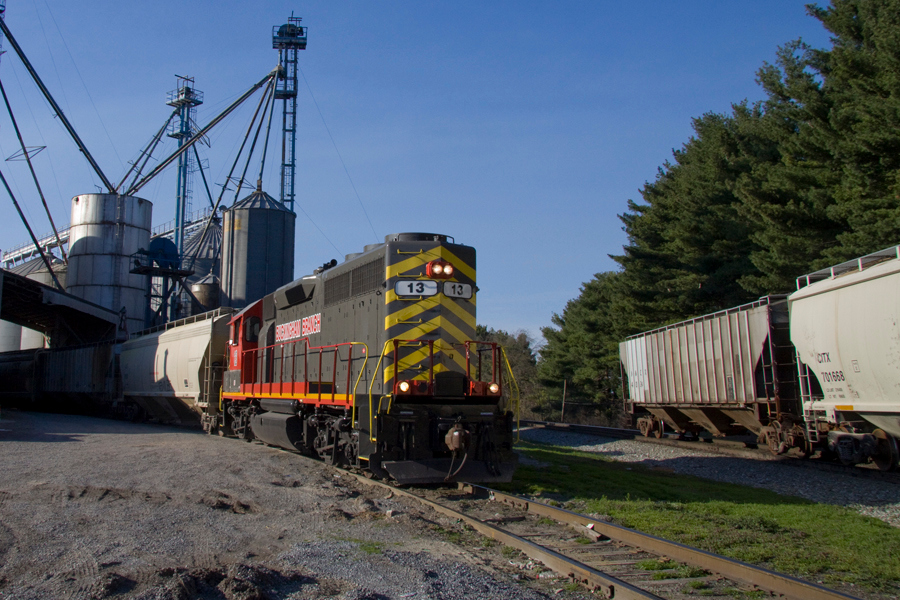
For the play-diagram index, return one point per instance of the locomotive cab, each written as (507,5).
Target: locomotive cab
(243,337)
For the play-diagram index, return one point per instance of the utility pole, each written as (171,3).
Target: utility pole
(562,416)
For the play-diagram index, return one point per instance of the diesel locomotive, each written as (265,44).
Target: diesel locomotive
(372,364)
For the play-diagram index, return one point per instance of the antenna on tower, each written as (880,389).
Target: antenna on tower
(288,39)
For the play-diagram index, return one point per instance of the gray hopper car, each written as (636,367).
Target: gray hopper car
(726,372)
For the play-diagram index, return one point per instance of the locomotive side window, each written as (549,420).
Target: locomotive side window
(251,329)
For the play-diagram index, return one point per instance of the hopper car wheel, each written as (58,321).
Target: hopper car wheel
(660,430)
(645,425)
(806,448)
(887,454)
(774,439)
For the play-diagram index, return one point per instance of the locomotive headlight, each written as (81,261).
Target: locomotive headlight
(403,386)
(494,388)
(439,269)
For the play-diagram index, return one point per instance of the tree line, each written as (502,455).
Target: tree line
(805,178)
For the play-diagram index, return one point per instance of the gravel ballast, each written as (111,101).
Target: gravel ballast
(879,499)
(95,509)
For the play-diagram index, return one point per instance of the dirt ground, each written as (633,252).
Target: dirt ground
(94,508)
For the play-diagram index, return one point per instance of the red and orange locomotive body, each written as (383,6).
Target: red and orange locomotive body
(372,364)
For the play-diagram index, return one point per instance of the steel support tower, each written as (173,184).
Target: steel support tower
(288,39)
(185,98)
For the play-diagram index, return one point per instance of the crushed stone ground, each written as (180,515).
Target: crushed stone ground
(94,509)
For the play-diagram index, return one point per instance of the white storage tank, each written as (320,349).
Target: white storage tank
(106,231)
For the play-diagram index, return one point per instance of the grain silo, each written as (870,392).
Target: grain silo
(106,230)
(202,255)
(258,249)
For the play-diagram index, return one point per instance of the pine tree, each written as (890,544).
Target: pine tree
(688,244)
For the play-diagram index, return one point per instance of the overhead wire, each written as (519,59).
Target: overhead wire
(30,232)
(33,174)
(62,88)
(146,153)
(341,158)
(270,98)
(80,78)
(11,66)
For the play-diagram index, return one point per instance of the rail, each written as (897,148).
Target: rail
(610,586)
(785,585)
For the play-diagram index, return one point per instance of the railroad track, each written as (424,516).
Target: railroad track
(609,560)
(740,449)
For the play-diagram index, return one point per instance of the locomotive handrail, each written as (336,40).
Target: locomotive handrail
(514,386)
(396,343)
(494,366)
(255,354)
(372,436)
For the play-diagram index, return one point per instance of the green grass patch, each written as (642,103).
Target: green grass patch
(654,564)
(366,546)
(454,537)
(746,594)
(696,585)
(681,572)
(784,533)
(584,541)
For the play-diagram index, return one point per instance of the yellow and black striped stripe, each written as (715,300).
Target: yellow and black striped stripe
(447,322)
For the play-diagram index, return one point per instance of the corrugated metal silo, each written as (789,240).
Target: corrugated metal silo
(202,255)
(106,231)
(203,251)
(258,249)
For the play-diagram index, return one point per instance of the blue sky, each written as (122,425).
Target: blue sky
(521,128)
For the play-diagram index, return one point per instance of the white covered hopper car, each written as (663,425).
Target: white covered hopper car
(816,370)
